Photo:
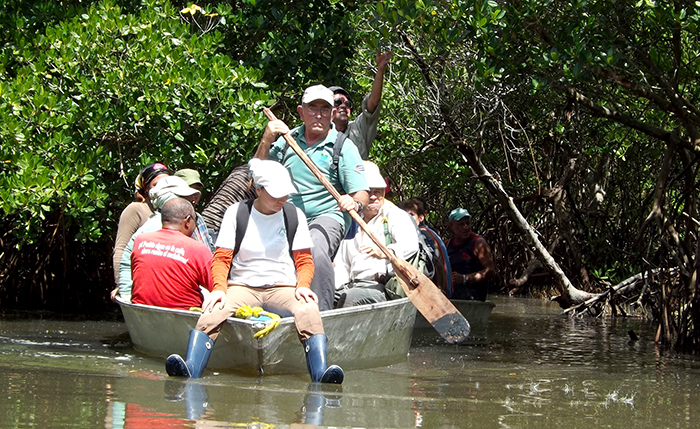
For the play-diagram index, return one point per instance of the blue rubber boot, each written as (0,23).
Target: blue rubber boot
(198,351)
(315,348)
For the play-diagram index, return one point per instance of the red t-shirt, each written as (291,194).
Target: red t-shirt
(167,269)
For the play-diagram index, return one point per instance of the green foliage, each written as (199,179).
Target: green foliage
(573,104)
(91,91)
(294,45)
(108,89)
(95,97)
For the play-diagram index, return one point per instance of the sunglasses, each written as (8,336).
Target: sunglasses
(338,102)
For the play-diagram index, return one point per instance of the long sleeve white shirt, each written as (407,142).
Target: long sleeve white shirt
(351,264)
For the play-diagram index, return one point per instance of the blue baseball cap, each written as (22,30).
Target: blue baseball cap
(459,213)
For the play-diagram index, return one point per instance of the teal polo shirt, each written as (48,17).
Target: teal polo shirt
(312,197)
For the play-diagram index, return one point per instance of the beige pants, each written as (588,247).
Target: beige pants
(276,299)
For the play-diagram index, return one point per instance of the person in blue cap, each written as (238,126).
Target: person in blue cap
(470,258)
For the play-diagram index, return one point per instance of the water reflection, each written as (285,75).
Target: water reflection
(191,398)
(192,392)
(528,367)
(319,397)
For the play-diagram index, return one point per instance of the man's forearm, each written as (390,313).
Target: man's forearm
(361,196)
(375,95)
(263,151)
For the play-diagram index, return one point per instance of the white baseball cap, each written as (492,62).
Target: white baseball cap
(272,176)
(168,188)
(317,92)
(373,176)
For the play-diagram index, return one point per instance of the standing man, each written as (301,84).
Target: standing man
(361,267)
(167,266)
(328,223)
(470,258)
(363,129)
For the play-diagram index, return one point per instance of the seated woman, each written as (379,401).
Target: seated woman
(443,271)
(261,265)
(470,258)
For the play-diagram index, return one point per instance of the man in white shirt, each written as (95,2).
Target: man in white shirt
(361,268)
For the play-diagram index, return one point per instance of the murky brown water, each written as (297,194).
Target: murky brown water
(528,368)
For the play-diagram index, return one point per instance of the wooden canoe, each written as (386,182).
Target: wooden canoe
(358,337)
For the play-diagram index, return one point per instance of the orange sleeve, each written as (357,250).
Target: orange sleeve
(305,267)
(220,267)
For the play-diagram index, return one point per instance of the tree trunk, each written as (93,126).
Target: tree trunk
(570,295)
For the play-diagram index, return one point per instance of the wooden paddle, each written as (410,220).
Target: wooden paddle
(425,296)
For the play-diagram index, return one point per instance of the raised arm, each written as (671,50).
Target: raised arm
(376,95)
(272,130)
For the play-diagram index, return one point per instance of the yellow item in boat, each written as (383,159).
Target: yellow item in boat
(257,313)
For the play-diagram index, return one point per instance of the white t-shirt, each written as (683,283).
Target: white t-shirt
(264,258)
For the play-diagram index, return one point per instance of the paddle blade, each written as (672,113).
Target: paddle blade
(432,303)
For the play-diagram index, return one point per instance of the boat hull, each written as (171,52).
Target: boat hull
(358,337)
(476,312)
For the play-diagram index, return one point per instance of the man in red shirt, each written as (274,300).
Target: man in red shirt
(167,266)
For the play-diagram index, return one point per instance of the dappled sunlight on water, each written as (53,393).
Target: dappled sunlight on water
(529,367)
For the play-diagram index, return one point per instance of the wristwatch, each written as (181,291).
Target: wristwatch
(360,207)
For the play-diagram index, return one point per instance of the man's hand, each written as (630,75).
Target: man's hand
(460,278)
(383,59)
(347,203)
(272,130)
(211,300)
(113,294)
(373,252)
(305,294)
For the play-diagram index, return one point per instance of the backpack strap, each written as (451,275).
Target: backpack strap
(291,222)
(242,215)
(337,146)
